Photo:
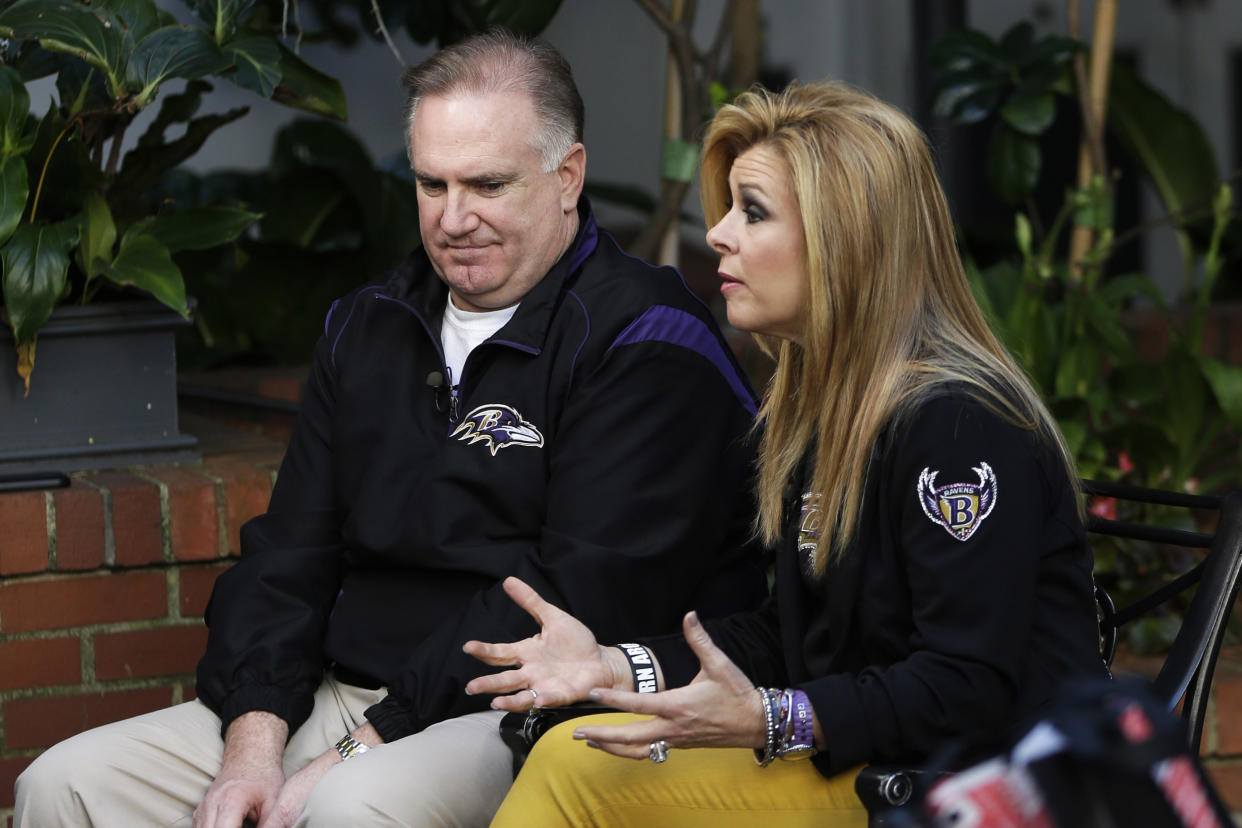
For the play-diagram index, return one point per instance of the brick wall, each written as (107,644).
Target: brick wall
(102,591)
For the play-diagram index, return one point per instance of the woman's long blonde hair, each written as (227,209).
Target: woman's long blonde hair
(891,316)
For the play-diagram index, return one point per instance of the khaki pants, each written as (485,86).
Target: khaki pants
(153,770)
(566,783)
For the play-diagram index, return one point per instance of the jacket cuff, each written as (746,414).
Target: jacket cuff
(842,719)
(390,719)
(276,700)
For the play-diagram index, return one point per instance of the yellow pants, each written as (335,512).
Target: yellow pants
(564,782)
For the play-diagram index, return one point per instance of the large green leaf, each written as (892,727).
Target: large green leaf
(72,28)
(314,142)
(14,189)
(523,16)
(1013,163)
(1226,382)
(98,236)
(1166,140)
(962,48)
(14,109)
(173,52)
(302,86)
(143,262)
(36,262)
(141,17)
(968,95)
(258,62)
(1029,114)
(222,16)
(198,228)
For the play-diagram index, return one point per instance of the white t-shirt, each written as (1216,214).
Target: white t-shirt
(463,330)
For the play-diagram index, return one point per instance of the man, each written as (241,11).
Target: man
(518,398)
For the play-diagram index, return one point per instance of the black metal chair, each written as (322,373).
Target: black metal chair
(1185,676)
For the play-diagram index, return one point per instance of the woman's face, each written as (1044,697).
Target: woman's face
(762,248)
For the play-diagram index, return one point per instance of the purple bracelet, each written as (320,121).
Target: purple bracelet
(800,742)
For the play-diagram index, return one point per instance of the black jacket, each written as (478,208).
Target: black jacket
(921,634)
(599,451)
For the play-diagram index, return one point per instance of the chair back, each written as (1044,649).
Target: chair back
(1187,669)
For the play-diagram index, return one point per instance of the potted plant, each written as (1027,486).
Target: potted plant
(83,238)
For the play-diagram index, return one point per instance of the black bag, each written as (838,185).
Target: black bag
(1105,753)
(520,731)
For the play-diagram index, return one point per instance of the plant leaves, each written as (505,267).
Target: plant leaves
(198,228)
(1028,113)
(145,165)
(143,262)
(173,52)
(140,17)
(72,28)
(14,110)
(221,16)
(14,189)
(98,236)
(1016,43)
(1226,383)
(1013,163)
(302,86)
(1166,140)
(258,62)
(967,96)
(964,48)
(36,262)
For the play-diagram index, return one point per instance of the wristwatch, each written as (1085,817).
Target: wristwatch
(349,747)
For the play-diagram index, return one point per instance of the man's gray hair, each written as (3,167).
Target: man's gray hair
(499,61)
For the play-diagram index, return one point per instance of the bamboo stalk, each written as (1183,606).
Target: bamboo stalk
(1091,157)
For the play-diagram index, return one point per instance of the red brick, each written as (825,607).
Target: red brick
(193,520)
(42,722)
(137,526)
(188,692)
(23,525)
(247,489)
(1227,780)
(196,584)
(40,662)
(70,601)
(79,527)
(168,651)
(10,769)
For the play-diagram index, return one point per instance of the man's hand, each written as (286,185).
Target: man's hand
(250,776)
(292,798)
(562,662)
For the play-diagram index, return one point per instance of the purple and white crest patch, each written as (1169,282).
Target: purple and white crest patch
(959,507)
(499,426)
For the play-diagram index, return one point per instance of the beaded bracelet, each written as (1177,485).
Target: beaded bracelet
(771,716)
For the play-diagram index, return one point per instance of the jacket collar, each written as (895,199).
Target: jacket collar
(416,282)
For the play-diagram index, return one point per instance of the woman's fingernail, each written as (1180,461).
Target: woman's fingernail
(579,735)
(593,695)
(593,744)
(693,618)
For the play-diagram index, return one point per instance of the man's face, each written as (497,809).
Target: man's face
(492,221)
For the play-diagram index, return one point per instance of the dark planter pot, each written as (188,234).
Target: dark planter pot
(103,393)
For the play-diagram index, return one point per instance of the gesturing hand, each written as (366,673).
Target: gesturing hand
(720,708)
(563,662)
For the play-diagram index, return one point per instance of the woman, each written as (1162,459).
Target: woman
(933,575)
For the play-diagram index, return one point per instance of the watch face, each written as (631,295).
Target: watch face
(798,752)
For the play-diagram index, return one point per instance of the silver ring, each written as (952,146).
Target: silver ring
(534,697)
(658,752)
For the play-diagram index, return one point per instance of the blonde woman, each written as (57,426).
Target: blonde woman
(933,575)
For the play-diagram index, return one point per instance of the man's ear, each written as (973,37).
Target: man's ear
(573,174)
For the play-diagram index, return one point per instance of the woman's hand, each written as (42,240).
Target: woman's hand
(720,708)
(562,663)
